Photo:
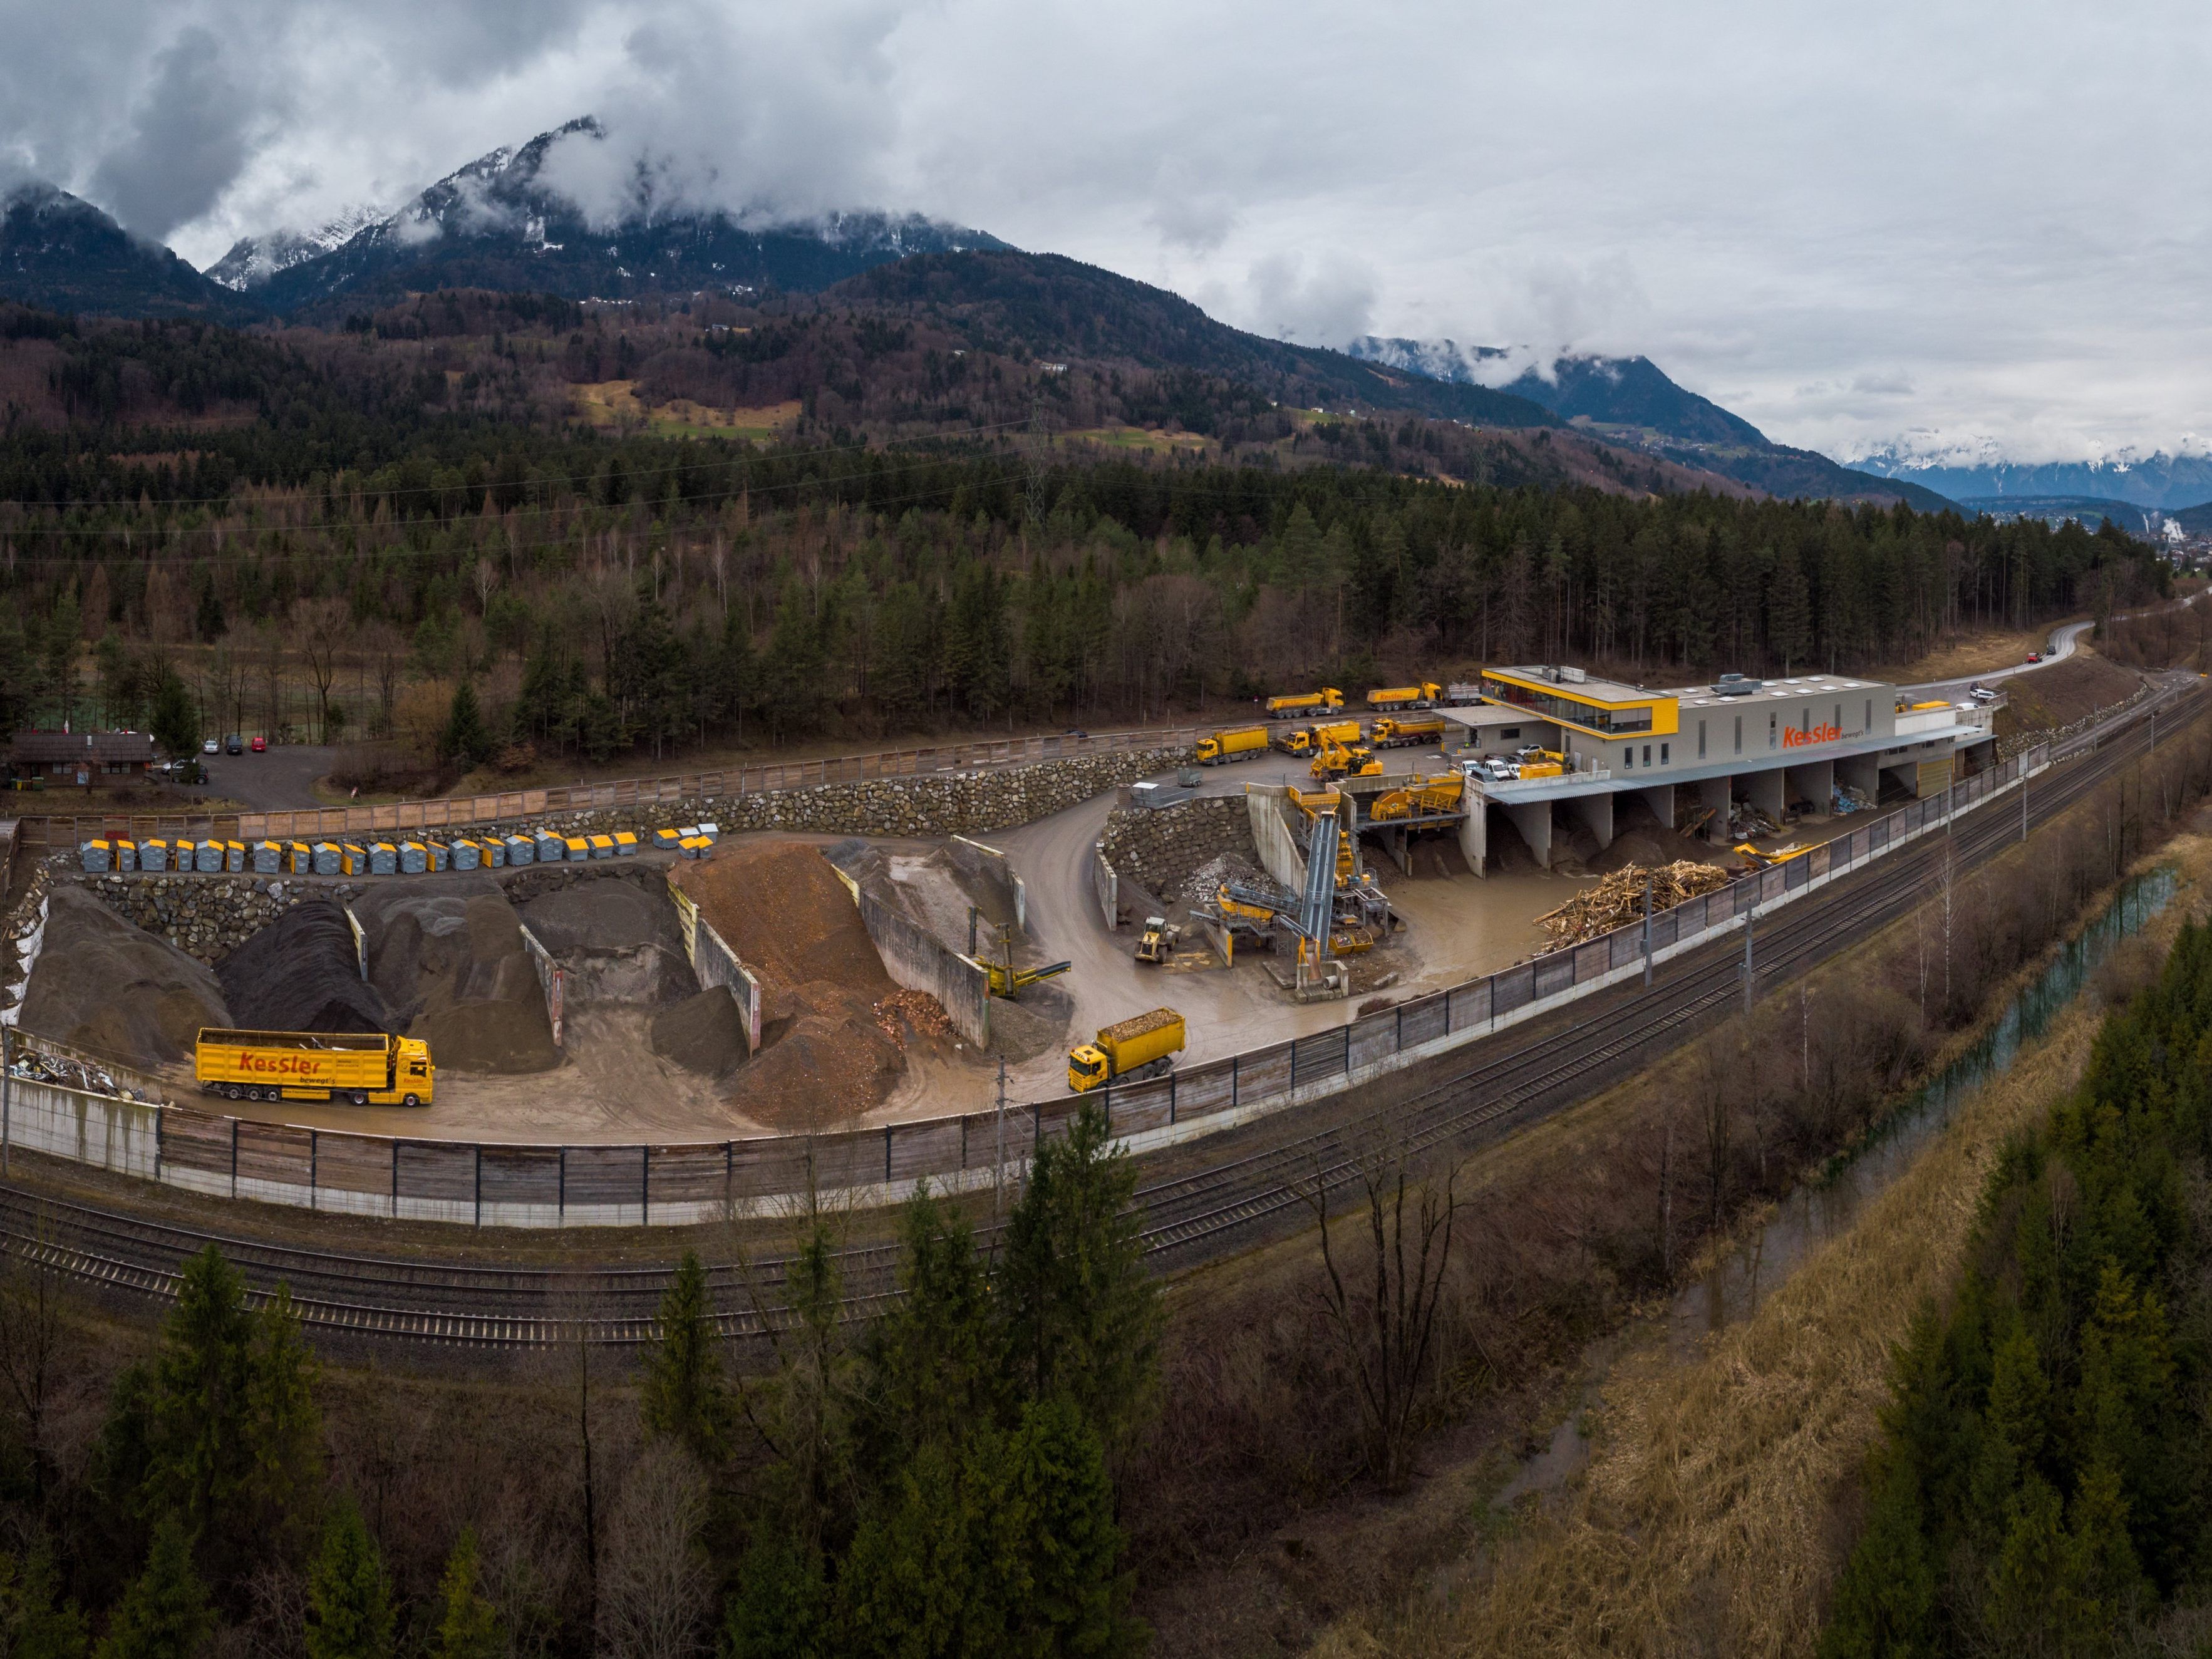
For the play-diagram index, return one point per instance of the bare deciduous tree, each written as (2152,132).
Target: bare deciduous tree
(1387,1330)
(655,1586)
(317,625)
(32,1298)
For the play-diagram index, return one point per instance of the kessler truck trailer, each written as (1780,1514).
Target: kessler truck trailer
(367,1068)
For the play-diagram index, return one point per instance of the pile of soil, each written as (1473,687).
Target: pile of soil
(447,954)
(824,1059)
(1035,1025)
(615,940)
(301,974)
(101,984)
(703,1033)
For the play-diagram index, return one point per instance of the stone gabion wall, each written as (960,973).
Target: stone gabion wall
(935,804)
(1160,849)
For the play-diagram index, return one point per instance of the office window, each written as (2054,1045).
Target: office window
(1647,754)
(1773,730)
(1839,719)
(1628,756)
(1663,754)
(1508,734)
(1701,740)
(1870,715)
(1739,734)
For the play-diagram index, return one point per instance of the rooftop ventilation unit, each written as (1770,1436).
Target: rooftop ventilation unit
(1734,685)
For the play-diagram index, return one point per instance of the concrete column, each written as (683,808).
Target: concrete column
(1906,773)
(1862,773)
(1715,793)
(1660,798)
(1533,821)
(1473,831)
(1763,789)
(1595,810)
(1813,781)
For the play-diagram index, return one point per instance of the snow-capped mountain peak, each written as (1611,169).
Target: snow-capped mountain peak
(252,260)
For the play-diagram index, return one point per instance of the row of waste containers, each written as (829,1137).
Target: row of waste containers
(385,858)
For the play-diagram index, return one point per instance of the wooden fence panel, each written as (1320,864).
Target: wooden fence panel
(195,1140)
(274,1151)
(347,1163)
(1206,1089)
(604,1175)
(929,1148)
(522,1174)
(695,1173)
(441,1169)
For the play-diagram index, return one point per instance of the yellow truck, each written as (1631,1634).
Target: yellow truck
(1303,702)
(1388,734)
(367,1068)
(1143,1046)
(1232,743)
(1424,695)
(1310,739)
(1421,798)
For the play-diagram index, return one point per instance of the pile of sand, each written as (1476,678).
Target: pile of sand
(447,954)
(301,974)
(101,984)
(780,907)
(614,939)
(704,1033)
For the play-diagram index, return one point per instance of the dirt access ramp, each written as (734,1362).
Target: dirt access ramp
(832,1047)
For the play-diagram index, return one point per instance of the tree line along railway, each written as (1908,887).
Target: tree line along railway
(1199,1201)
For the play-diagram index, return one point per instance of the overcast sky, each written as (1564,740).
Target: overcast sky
(1851,224)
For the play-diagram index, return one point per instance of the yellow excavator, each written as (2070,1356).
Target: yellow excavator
(1754,859)
(1337,760)
(1007,981)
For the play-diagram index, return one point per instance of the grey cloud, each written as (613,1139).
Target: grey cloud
(188,138)
(1327,305)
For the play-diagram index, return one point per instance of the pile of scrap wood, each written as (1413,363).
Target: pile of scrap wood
(1618,899)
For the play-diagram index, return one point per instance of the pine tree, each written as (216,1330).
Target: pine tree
(1082,1314)
(348,1601)
(1788,612)
(34,1622)
(466,741)
(779,1607)
(468,1626)
(684,1395)
(1078,1597)
(175,721)
(936,1361)
(165,1612)
(1886,1600)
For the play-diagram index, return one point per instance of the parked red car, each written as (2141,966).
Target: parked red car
(260,745)
(2035,656)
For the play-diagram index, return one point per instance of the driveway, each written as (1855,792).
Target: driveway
(274,781)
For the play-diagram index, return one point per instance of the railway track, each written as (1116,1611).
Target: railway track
(1258,1181)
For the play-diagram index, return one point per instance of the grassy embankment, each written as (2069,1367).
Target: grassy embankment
(1720,1496)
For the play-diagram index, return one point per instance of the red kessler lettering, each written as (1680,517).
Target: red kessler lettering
(1794,738)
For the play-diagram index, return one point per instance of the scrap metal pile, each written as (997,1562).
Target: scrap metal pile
(1618,899)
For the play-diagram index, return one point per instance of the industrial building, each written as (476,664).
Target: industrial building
(1772,744)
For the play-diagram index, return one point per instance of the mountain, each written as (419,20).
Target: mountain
(61,252)
(1055,306)
(1630,401)
(252,260)
(2159,479)
(497,223)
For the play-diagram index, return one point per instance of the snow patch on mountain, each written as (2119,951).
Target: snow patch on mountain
(252,260)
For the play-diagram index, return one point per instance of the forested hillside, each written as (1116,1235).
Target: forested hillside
(382,514)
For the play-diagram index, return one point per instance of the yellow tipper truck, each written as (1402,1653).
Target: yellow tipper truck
(1236,743)
(1308,739)
(1388,734)
(1144,1045)
(1307,702)
(364,1067)
(1392,697)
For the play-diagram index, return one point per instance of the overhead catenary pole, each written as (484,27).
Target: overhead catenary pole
(1748,981)
(1647,929)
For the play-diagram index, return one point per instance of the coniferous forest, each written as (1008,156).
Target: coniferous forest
(327,534)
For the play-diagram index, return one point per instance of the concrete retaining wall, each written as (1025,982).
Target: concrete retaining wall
(1271,835)
(987,866)
(916,959)
(1160,847)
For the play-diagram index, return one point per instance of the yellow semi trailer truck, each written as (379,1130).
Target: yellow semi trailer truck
(366,1068)
(1232,743)
(1303,702)
(1143,1045)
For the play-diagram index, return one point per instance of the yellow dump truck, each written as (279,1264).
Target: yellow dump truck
(1424,695)
(1303,702)
(1144,1045)
(1388,734)
(1311,739)
(1233,742)
(366,1068)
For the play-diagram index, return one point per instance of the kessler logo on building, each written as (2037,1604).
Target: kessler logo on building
(1794,738)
